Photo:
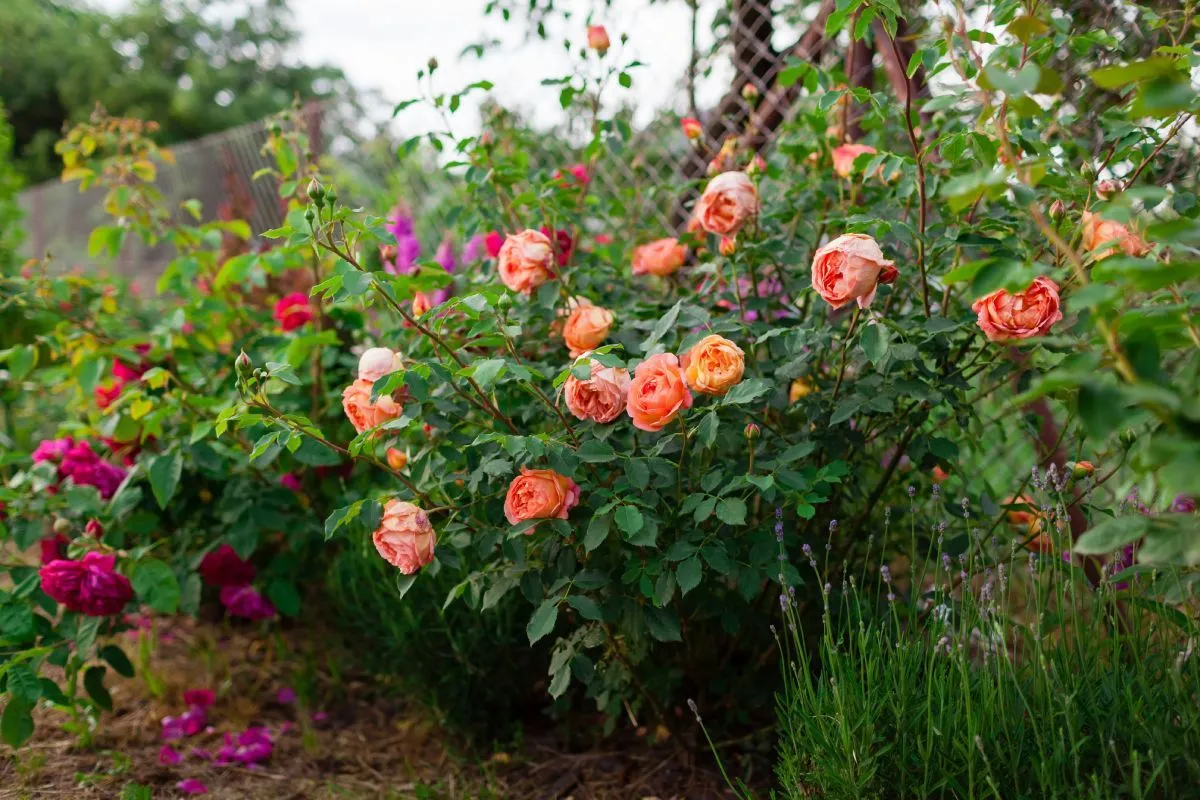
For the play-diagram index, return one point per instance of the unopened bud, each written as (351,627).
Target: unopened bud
(310,216)
(1057,210)
(752,431)
(94,528)
(331,196)
(750,92)
(242,365)
(504,302)
(397,459)
(316,193)
(1106,189)
(62,525)
(597,38)
(756,167)
(432,64)
(1128,437)
(1081,469)
(728,246)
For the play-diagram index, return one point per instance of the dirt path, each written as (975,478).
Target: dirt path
(340,737)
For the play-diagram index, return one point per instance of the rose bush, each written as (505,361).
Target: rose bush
(616,432)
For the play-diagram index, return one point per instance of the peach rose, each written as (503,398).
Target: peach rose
(586,327)
(363,414)
(850,268)
(540,494)
(658,393)
(1032,522)
(601,397)
(526,261)
(660,257)
(844,155)
(597,38)
(420,304)
(397,459)
(727,203)
(1098,232)
(377,362)
(405,537)
(714,365)
(800,389)
(1004,316)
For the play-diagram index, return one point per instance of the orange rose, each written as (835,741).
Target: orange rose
(1099,232)
(727,203)
(586,327)
(598,38)
(420,304)
(526,261)
(1034,536)
(844,155)
(397,459)
(658,393)
(851,267)
(714,365)
(405,538)
(363,414)
(1004,317)
(800,388)
(660,257)
(692,128)
(601,397)
(727,246)
(376,362)
(540,494)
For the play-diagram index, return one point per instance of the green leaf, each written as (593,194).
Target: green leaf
(404,583)
(665,323)
(16,725)
(543,619)
(283,594)
(688,574)
(586,606)
(156,585)
(874,342)
(21,360)
(93,682)
(117,659)
(23,683)
(747,391)
(732,511)
(1119,75)
(235,270)
(595,451)
(164,472)
(1112,534)
(486,372)
(597,532)
(629,519)
(706,431)
(341,516)
(663,624)
(637,473)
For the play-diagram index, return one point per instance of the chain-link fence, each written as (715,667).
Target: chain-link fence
(218,170)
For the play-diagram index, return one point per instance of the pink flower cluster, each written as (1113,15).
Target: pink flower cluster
(249,748)
(225,569)
(189,723)
(90,586)
(77,461)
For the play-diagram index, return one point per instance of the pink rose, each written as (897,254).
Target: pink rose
(293,311)
(601,397)
(850,268)
(90,586)
(657,393)
(727,203)
(597,38)
(526,261)
(363,414)
(540,494)
(1028,313)
(843,157)
(405,538)
(1098,233)
(377,362)
(660,257)
(493,242)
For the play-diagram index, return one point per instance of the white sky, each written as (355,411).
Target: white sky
(381,44)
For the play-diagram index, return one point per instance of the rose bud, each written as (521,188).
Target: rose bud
(1057,209)
(597,38)
(750,92)
(94,528)
(62,525)
(1081,469)
(692,128)
(800,388)
(397,459)
(242,365)
(756,167)
(1106,189)
(420,304)
(752,431)
(728,246)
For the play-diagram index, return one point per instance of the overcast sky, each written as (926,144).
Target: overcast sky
(381,44)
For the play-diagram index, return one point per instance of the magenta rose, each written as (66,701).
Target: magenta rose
(224,567)
(90,586)
(246,602)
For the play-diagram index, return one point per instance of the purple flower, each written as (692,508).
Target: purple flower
(168,756)
(473,250)
(445,256)
(52,450)
(1184,504)
(286,696)
(84,468)
(245,601)
(90,586)
(290,481)
(400,222)
(192,786)
(250,747)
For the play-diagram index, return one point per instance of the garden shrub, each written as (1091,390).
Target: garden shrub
(563,410)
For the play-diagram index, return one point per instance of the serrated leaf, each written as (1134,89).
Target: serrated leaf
(156,585)
(587,607)
(597,532)
(164,472)
(629,519)
(16,724)
(663,624)
(732,511)
(688,574)
(543,619)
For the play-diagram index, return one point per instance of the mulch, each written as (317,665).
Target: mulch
(360,739)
